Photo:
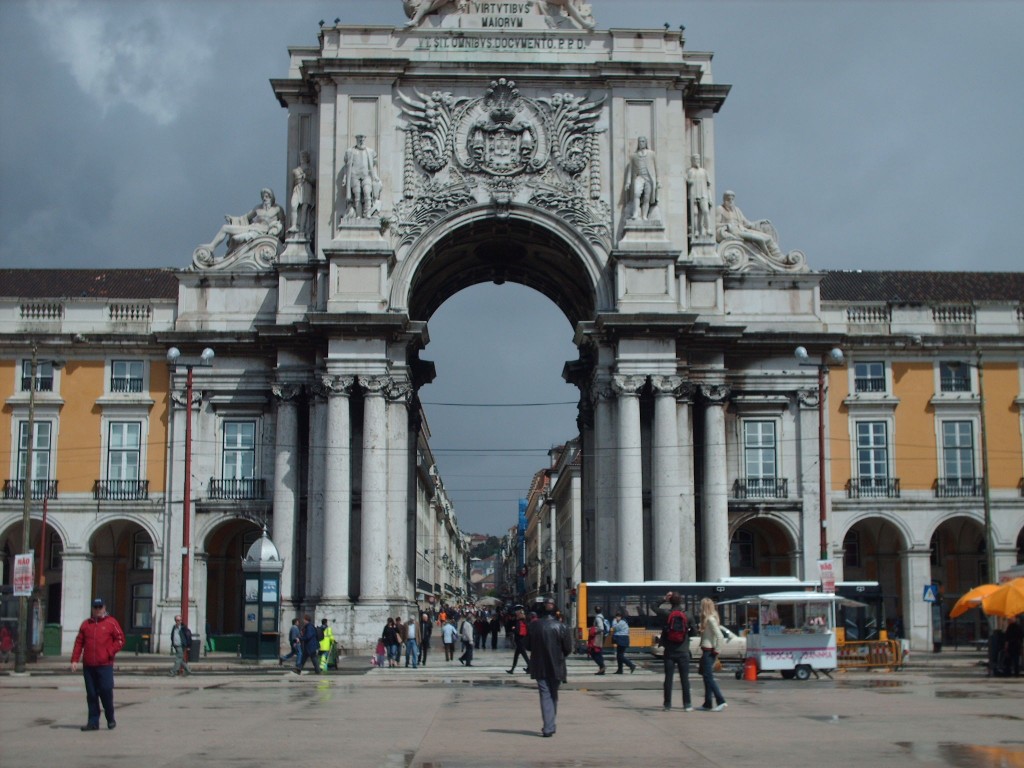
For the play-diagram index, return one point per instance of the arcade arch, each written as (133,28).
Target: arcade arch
(761,546)
(873,549)
(225,546)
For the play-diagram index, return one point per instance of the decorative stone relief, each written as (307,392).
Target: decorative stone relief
(577,10)
(253,239)
(399,391)
(498,149)
(808,398)
(751,245)
(375,385)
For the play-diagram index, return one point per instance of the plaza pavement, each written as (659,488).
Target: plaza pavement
(940,711)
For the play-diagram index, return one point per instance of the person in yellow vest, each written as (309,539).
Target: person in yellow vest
(326,637)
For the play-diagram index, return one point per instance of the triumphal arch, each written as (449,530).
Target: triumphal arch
(508,141)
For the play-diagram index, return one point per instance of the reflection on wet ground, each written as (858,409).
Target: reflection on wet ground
(967,755)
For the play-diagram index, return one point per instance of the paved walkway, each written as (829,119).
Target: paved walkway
(941,711)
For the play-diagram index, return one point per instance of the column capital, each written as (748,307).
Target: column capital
(715,394)
(666,385)
(375,385)
(627,386)
(808,398)
(398,390)
(336,385)
(286,390)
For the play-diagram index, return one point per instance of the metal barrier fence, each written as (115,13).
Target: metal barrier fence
(866,654)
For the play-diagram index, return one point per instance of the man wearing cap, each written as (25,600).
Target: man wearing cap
(549,642)
(99,639)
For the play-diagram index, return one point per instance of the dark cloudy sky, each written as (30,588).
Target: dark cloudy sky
(874,134)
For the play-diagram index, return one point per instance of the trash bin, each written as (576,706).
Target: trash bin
(51,639)
(193,650)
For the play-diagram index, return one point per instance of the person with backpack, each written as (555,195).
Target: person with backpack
(595,639)
(519,635)
(675,644)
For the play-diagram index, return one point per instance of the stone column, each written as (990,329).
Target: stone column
(286,484)
(665,496)
(76,586)
(687,513)
(553,545)
(400,583)
(916,568)
(316,450)
(605,554)
(374,550)
(630,478)
(715,514)
(336,546)
(810,499)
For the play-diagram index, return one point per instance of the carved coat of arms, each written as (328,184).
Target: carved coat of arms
(501,147)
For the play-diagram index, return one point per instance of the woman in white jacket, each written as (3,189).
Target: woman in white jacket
(710,640)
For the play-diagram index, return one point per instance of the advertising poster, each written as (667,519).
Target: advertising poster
(828,576)
(23,575)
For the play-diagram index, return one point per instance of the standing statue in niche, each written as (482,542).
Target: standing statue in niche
(698,185)
(303,197)
(642,180)
(265,219)
(360,180)
(733,224)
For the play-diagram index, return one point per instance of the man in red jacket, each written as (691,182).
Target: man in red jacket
(99,639)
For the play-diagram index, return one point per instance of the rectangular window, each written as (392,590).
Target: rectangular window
(954,376)
(239,450)
(124,450)
(759,450)
(40,453)
(872,452)
(55,552)
(142,552)
(958,450)
(44,376)
(869,377)
(142,606)
(126,376)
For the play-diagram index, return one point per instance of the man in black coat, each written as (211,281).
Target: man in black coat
(549,642)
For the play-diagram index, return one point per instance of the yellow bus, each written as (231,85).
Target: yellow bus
(639,604)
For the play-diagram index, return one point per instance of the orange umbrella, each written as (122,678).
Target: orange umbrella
(1006,601)
(971,599)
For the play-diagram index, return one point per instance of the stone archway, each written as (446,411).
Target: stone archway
(124,563)
(761,546)
(226,545)
(959,564)
(873,549)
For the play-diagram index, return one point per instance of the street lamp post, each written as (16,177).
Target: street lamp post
(986,498)
(205,361)
(835,355)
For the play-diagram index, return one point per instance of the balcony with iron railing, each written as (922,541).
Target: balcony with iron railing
(125,384)
(121,490)
(873,488)
(761,488)
(958,487)
(869,384)
(41,489)
(955,384)
(237,489)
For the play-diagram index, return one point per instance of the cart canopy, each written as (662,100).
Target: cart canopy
(796,597)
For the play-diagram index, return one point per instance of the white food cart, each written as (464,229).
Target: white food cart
(793,633)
